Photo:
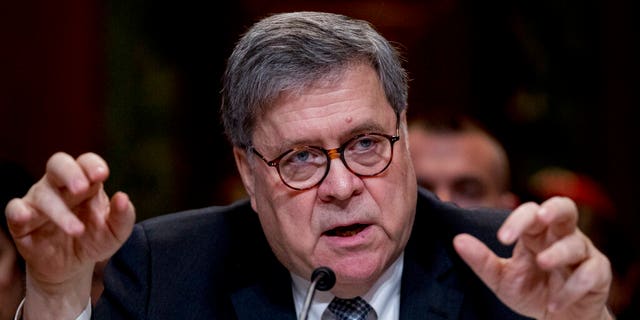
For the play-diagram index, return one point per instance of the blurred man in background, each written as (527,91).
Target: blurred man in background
(459,161)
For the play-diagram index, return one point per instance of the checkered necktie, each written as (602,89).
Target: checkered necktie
(349,309)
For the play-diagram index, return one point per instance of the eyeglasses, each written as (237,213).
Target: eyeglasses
(305,167)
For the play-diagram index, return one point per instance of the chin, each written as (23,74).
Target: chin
(356,275)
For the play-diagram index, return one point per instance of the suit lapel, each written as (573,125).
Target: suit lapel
(261,284)
(255,303)
(426,292)
(429,288)
(269,298)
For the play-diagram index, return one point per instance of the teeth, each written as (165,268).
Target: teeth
(347,231)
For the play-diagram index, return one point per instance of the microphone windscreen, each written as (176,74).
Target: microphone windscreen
(326,278)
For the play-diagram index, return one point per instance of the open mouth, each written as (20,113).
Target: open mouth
(346,231)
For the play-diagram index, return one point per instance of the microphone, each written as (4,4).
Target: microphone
(322,279)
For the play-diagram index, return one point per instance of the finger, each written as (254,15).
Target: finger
(66,184)
(109,223)
(76,180)
(521,220)
(95,210)
(64,172)
(592,278)
(45,203)
(18,216)
(122,216)
(23,219)
(94,167)
(561,214)
(480,258)
(565,252)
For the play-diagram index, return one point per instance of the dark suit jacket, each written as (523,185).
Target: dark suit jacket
(215,263)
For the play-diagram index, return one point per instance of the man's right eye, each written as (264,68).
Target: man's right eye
(300,156)
(305,156)
(470,188)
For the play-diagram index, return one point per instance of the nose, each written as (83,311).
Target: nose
(340,183)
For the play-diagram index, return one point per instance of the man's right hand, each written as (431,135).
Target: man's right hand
(62,227)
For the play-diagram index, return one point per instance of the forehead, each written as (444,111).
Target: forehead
(467,152)
(463,144)
(332,108)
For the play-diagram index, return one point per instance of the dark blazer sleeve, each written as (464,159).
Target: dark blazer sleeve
(132,265)
(174,267)
(210,263)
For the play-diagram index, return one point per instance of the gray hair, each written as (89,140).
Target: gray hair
(292,51)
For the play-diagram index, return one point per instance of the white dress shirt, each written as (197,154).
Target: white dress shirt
(85,315)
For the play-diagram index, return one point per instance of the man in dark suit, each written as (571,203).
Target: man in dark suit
(315,106)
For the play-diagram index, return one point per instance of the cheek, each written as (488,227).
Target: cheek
(397,197)
(397,221)
(286,219)
(397,204)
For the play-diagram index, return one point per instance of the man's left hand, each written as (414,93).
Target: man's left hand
(555,271)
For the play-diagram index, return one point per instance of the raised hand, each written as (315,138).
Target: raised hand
(62,227)
(555,271)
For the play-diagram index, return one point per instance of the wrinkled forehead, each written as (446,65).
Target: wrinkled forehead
(350,101)
(295,85)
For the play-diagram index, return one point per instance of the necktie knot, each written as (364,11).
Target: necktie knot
(349,309)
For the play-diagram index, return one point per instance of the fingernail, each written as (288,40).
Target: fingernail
(100,170)
(543,212)
(75,228)
(77,185)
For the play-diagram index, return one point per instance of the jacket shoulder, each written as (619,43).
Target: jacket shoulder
(448,220)
(183,263)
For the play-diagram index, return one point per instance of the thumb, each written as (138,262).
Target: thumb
(480,259)
(122,217)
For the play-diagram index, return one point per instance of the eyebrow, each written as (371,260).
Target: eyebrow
(368,127)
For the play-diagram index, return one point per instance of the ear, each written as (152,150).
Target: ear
(404,128)
(246,173)
(403,120)
(404,132)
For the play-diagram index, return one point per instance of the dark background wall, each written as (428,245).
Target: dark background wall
(138,82)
